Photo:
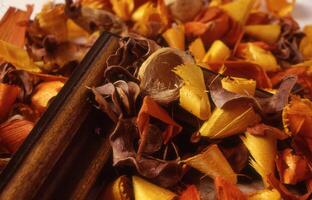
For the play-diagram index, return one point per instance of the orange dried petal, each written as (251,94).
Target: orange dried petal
(227,191)
(190,193)
(281,7)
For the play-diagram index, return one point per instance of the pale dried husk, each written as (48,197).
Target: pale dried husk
(156,76)
(148,191)
(212,163)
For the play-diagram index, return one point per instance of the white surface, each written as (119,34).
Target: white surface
(302,12)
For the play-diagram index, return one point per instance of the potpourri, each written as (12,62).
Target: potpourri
(209,99)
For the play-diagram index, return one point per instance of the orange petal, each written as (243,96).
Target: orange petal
(190,193)
(227,191)
(151,109)
(281,7)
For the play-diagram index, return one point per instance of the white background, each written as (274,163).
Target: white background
(302,12)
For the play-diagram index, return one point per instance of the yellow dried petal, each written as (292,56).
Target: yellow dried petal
(195,101)
(53,20)
(217,52)
(239,9)
(193,95)
(75,31)
(145,190)
(268,33)
(265,194)
(212,163)
(141,13)
(175,37)
(281,7)
(123,8)
(263,151)
(233,118)
(261,57)
(306,43)
(197,49)
(17,56)
(95,4)
(120,189)
(239,85)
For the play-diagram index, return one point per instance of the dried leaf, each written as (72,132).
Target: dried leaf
(190,193)
(212,162)
(193,95)
(267,32)
(157,79)
(146,190)
(292,168)
(226,190)
(263,129)
(218,52)
(14,132)
(8,95)
(263,150)
(151,109)
(175,37)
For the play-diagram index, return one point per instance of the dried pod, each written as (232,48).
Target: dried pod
(218,52)
(44,93)
(212,163)
(239,9)
(239,85)
(146,190)
(157,79)
(263,150)
(14,132)
(119,189)
(268,32)
(197,49)
(265,194)
(260,56)
(175,37)
(185,10)
(193,94)
(8,95)
(229,120)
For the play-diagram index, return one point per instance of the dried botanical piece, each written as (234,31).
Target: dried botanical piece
(156,76)
(197,49)
(265,194)
(267,32)
(144,190)
(239,9)
(175,37)
(123,8)
(212,163)
(306,43)
(185,10)
(263,150)
(226,190)
(119,189)
(218,52)
(193,95)
(14,132)
(280,7)
(264,58)
(292,168)
(8,95)
(44,93)
(239,85)
(190,193)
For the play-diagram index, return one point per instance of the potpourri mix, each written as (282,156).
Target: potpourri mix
(209,99)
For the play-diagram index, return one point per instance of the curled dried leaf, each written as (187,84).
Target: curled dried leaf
(263,129)
(212,163)
(157,79)
(146,190)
